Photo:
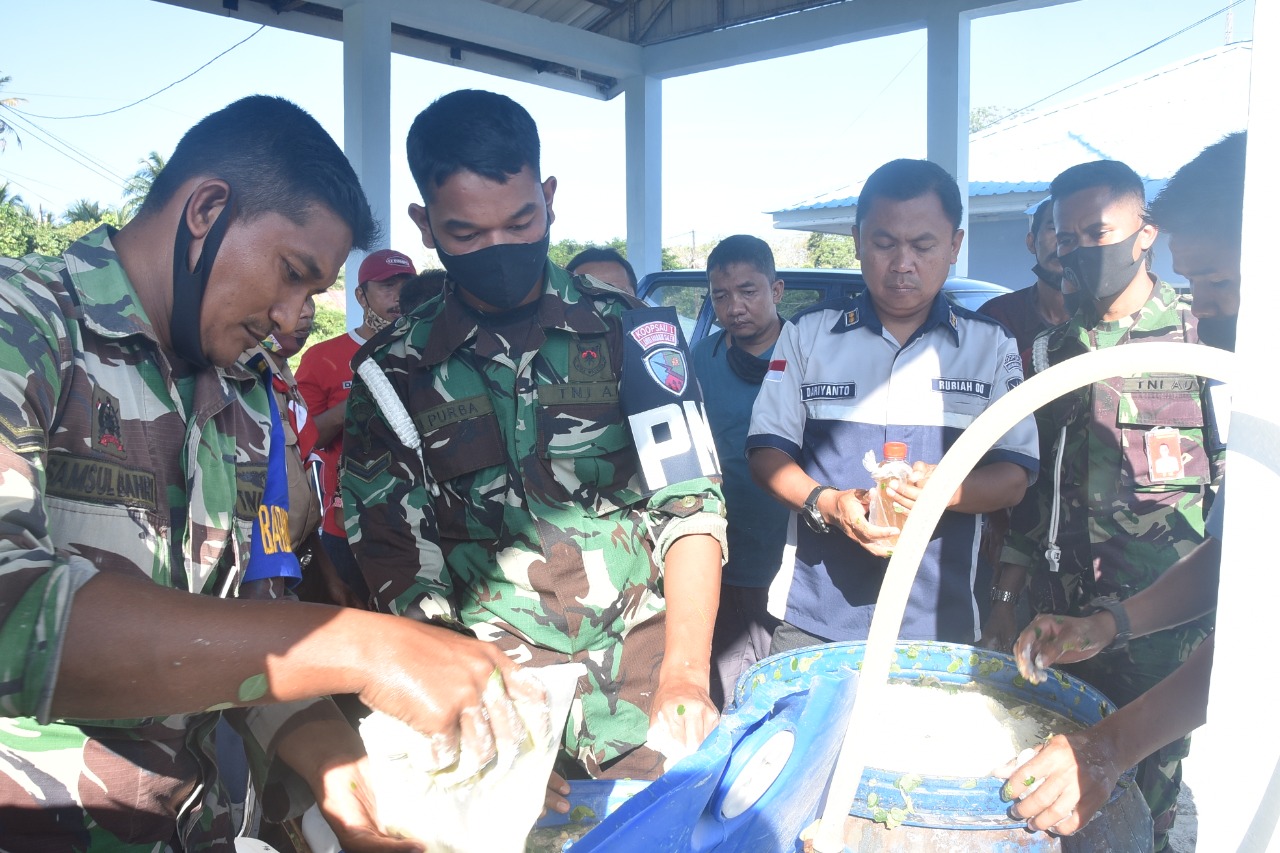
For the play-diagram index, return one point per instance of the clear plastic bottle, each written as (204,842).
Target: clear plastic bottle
(892,467)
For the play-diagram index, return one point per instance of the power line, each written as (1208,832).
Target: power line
(1020,110)
(72,153)
(153,94)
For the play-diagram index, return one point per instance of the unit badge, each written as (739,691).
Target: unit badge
(668,369)
(106,424)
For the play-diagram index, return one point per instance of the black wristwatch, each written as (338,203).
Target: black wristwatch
(812,517)
(1113,605)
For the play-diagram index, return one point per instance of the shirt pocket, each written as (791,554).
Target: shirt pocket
(1139,413)
(585,451)
(466,458)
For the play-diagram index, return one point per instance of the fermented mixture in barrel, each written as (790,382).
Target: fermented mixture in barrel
(954,730)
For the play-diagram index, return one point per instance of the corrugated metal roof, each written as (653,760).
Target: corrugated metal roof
(653,21)
(1023,153)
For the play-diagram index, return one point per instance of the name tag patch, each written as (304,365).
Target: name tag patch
(251,485)
(1161,383)
(99,481)
(571,393)
(828,391)
(454,412)
(972,387)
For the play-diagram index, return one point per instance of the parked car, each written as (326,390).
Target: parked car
(686,291)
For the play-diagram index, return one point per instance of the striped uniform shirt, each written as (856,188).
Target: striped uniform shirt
(840,385)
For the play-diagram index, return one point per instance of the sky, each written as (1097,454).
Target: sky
(737,142)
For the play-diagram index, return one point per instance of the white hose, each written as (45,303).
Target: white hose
(974,442)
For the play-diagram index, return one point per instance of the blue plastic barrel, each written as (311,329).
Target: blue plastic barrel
(964,815)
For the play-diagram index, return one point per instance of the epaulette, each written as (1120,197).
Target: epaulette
(835,303)
(593,286)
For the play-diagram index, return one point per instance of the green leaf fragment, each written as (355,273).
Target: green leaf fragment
(680,710)
(581,813)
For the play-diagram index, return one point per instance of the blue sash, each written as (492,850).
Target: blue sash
(270,548)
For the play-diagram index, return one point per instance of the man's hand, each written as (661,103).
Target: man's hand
(329,756)
(1069,779)
(683,707)
(460,691)
(1061,639)
(905,493)
(557,791)
(1000,627)
(847,511)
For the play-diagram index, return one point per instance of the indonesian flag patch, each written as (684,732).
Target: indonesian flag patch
(777,367)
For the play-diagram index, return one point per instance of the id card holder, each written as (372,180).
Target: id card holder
(1164,454)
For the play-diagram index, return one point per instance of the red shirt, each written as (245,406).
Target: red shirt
(324,378)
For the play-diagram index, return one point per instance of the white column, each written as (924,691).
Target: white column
(644,172)
(1238,749)
(947,104)
(366,85)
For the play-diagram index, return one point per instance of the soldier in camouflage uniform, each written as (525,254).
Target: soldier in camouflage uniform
(1124,520)
(134,455)
(531,524)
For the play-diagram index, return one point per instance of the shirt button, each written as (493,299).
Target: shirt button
(689,500)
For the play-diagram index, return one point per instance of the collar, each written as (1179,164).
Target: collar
(107,298)
(722,339)
(562,306)
(860,313)
(109,304)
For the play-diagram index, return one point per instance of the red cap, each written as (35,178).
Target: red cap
(895,450)
(384,264)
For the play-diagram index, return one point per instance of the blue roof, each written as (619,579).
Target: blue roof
(1023,153)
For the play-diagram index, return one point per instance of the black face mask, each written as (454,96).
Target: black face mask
(1218,332)
(189,286)
(1101,272)
(1049,277)
(1071,303)
(500,275)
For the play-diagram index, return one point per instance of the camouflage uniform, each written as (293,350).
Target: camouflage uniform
(1120,527)
(103,472)
(546,544)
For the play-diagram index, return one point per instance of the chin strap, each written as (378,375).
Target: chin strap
(189,286)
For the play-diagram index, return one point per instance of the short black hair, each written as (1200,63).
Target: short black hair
(417,290)
(1206,196)
(1116,177)
(481,132)
(602,255)
(901,180)
(743,249)
(1043,211)
(276,158)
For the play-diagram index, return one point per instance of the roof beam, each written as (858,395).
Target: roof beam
(521,33)
(812,29)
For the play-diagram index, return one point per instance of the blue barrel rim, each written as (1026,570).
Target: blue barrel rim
(918,798)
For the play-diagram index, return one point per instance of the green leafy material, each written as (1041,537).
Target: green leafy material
(581,813)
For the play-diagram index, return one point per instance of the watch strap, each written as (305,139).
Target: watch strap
(1115,607)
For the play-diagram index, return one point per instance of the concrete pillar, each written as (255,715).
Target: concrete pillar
(947,104)
(644,172)
(366,86)
(1238,749)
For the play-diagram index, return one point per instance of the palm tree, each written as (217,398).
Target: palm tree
(8,199)
(5,128)
(137,187)
(83,211)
